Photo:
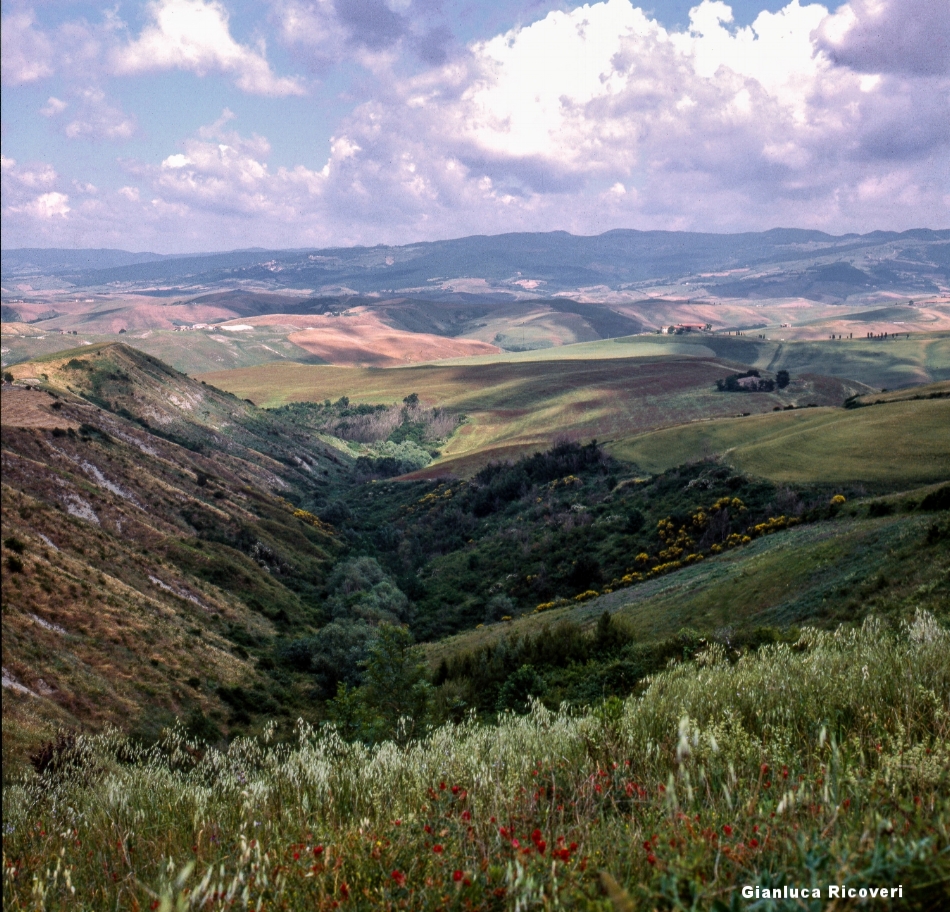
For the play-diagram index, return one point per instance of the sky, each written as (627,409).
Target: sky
(195,125)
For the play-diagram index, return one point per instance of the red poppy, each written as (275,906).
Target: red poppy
(457,875)
(399,877)
(727,830)
(437,849)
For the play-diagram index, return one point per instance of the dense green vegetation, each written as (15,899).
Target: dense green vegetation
(566,523)
(811,763)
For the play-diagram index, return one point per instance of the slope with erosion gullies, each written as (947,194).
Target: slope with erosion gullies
(140,388)
(142,577)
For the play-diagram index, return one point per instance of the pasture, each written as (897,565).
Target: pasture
(894,442)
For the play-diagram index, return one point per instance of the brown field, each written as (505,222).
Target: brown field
(363,340)
(515,407)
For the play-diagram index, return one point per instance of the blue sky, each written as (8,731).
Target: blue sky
(180,125)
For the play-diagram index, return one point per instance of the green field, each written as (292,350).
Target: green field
(898,442)
(921,358)
(513,407)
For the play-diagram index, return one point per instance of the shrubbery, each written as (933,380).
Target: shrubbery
(819,762)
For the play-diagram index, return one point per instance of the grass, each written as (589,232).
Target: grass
(822,763)
(513,407)
(895,442)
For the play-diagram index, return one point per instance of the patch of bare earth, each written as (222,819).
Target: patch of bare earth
(363,340)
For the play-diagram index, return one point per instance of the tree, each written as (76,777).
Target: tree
(782,379)
(394,701)
(516,692)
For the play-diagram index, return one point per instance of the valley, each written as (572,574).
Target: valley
(456,530)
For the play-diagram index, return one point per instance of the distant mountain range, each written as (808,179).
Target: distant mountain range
(773,263)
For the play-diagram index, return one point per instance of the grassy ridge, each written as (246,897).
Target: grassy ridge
(895,442)
(770,770)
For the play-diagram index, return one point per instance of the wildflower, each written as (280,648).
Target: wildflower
(455,789)
(457,875)
(727,830)
(754,843)
(317,851)
(651,859)
(399,877)
(442,786)
(345,890)
(437,848)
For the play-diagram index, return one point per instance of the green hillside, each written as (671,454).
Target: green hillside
(894,442)
(514,407)
(823,573)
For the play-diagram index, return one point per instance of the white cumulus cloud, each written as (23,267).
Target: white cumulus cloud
(585,120)
(195,35)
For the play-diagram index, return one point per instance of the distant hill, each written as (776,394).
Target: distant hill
(540,263)
(47,261)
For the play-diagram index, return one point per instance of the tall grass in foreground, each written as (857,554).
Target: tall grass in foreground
(824,762)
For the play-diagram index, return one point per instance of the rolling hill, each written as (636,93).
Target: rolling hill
(807,263)
(516,403)
(896,441)
(172,551)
